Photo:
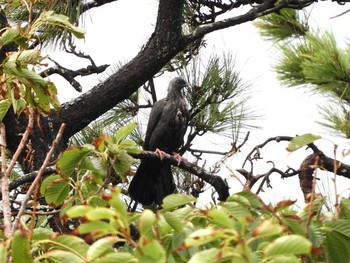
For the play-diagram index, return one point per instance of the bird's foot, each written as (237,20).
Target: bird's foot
(178,157)
(160,153)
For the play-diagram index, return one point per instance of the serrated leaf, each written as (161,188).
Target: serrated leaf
(57,20)
(221,217)
(116,257)
(301,141)
(206,256)
(72,244)
(117,203)
(62,256)
(4,106)
(9,35)
(71,158)
(31,56)
(96,228)
(101,248)
(336,247)
(95,165)
(254,200)
(48,181)
(57,192)
(236,209)
(290,244)
(316,235)
(41,233)
(342,226)
(146,221)
(267,228)
(203,236)
(21,248)
(123,163)
(345,209)
(284,259)
(96,201)
(124,131)
(152,251)
(78,211)
(174,222)
(101,213)
(175,200)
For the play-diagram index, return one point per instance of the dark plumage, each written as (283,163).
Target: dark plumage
(166,128)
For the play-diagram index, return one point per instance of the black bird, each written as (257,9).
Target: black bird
(166,128)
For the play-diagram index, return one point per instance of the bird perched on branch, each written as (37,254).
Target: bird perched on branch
(166,128)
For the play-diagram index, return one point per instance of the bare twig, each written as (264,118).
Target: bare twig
(23,141)
(37,178)
(4,184)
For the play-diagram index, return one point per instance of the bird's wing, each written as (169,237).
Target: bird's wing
(154,118)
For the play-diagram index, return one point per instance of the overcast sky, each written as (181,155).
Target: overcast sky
(117,31)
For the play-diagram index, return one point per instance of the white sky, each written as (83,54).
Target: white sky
(117,31)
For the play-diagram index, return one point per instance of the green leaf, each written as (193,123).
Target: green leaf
(78,211)
(236,209)
(101,248)
(290,244)
(3,253)
(207,256)
(146,221)
(4,106)
(175,200)
(72,244)
(31,56)
(8,36)
(47,182)
(174,222)
(345,209)
(96,201)
(316,235)
(62,256)
(118,204)
(152,251)
(57,192)
(123,163)
(95,165)
(71,158)
(267,228)
(129,146)
(204,236)
(21,248)
(57,20)
(116,257)
(41,233)
(221,217)
(101,213)
(96,228)
(342,226)
(244,196)
(124,131)
(336,247)
(301,141)
(284,259)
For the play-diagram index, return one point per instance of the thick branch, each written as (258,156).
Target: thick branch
(163,45)
(216,181)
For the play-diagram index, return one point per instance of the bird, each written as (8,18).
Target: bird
(165,131)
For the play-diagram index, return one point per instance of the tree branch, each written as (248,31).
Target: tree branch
(217,182)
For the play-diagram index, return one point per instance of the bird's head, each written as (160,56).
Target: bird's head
(177,83)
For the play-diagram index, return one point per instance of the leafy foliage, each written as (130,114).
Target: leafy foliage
(312,59)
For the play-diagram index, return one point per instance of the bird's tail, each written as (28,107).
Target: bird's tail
(152,182)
